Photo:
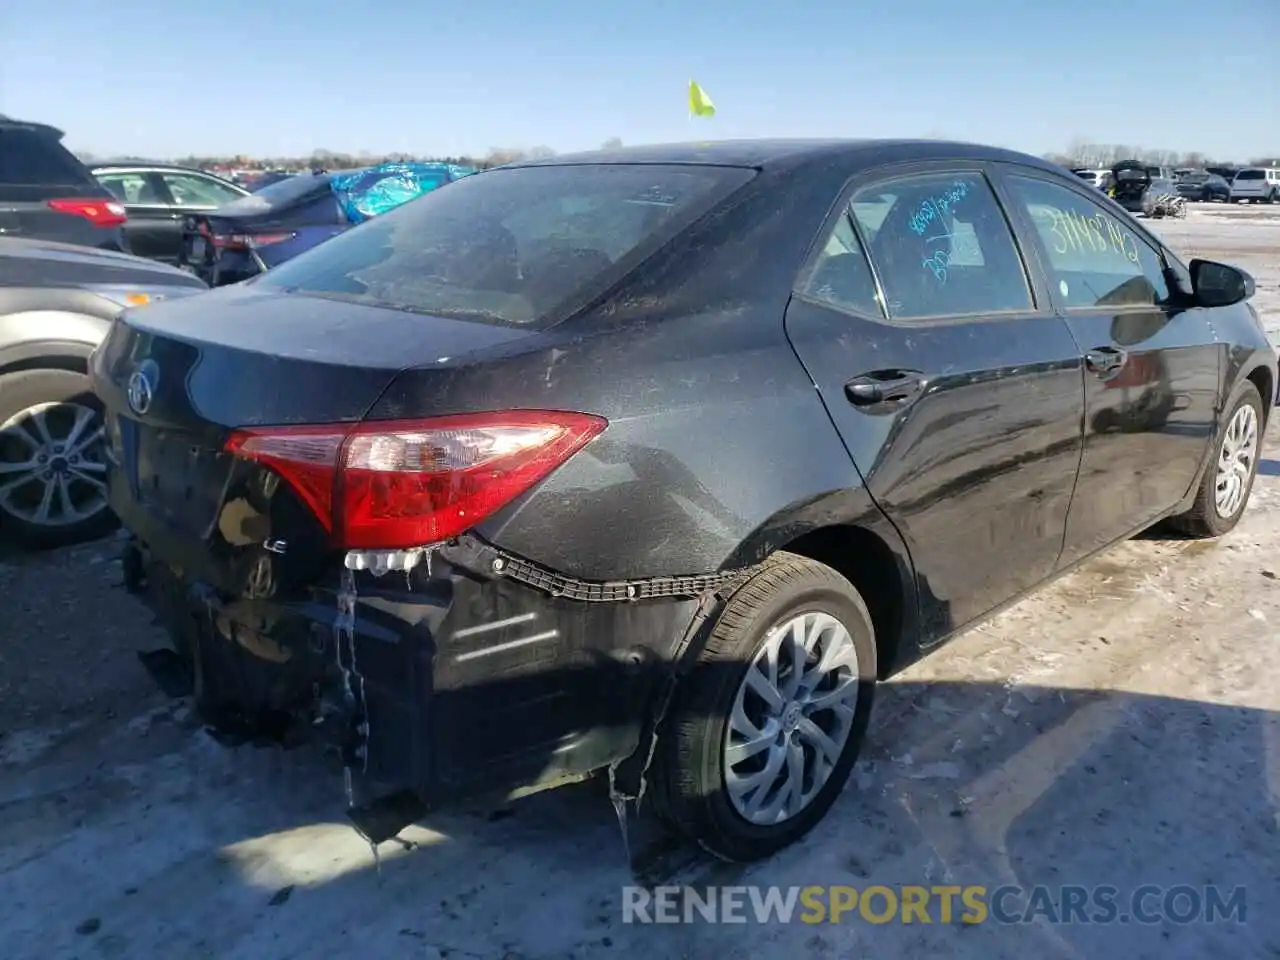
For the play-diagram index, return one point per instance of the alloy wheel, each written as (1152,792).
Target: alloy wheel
(52,464)
(791,718)
(1236,459)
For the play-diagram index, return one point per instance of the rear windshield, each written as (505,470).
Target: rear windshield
(1195,177)
(277,195)
(1251,175)
(510,246)
(32,157)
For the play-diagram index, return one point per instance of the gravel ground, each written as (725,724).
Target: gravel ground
(1120,728)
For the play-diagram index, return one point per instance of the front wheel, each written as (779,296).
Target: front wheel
(766,727)
(1228,480)
(53,470)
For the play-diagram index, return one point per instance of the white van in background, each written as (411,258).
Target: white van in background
(1256,184)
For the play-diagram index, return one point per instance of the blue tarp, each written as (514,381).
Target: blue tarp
(375,190)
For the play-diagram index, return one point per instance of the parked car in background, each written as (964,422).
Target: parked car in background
(56,303)
(1131,182)
(1162,199)
(1226,173)
(47,194)
(1258,184)
(1200,186)
(264,229)
(477,391)
(1099,179)
(158,198)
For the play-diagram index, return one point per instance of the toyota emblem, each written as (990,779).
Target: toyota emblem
(142,387)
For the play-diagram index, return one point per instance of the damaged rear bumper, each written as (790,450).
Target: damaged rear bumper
(475,673)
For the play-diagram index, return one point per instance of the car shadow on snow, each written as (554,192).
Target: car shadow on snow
(210,851)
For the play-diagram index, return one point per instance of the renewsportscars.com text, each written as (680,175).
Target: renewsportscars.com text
(945,904)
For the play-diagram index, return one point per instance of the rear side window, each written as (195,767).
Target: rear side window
(1096,259)
(514,245)
(33,158)
(841,276)
(941,247)
(189,190)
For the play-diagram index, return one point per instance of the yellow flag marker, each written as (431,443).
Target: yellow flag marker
(700,104)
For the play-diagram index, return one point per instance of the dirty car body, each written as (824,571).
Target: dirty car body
(463,490)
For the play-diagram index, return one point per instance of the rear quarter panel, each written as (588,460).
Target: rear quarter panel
(718,447)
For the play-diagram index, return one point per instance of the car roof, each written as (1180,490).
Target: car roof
(32,125)
(789,153)
(144,165)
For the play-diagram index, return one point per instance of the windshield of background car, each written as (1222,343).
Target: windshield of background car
(514,245)
(1195,178)
(1251,175)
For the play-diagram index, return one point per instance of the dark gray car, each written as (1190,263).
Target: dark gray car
(56,303)
(158,198)
(48,194)
(649,463)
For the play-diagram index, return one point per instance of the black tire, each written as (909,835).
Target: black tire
(1203,519)
(690,791)
(26,389)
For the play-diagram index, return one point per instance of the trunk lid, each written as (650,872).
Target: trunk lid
(178,376)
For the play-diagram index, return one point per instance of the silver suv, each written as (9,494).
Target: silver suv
(56,302)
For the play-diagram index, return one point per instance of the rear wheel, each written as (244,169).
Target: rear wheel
(768,724)
(52,459)
(1228,480)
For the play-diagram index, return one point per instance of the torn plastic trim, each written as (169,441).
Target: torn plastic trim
(471,553)
(629,776)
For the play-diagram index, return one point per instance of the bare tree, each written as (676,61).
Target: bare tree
(613,143)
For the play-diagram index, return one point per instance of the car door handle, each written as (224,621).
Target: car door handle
(884,386)
(1105,359)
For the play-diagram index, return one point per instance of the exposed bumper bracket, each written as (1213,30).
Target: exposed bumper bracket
(471,553)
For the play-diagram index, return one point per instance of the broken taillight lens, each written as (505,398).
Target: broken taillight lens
(389,485)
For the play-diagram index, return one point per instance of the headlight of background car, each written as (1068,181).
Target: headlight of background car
(131,295)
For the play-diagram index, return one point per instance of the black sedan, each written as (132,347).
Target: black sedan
(1204,188)
(159,198)
(653,462)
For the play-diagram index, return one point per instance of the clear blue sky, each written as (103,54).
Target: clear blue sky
(284,77)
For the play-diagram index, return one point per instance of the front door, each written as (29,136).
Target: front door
(1151,368)
(956,388)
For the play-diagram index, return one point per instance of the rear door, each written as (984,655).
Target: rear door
(955,387)
(145,199)
(36,168)
(1151,377)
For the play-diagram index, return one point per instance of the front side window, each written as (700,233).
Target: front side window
(1096,259)
(941,246)
(189,190)
(510,245)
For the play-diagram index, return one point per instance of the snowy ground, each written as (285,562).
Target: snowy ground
(1121,728)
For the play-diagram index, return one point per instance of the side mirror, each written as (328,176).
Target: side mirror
(1219,285)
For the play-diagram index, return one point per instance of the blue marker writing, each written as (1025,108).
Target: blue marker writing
(933,208)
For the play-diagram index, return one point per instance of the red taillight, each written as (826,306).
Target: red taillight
(101,213)
(398,484)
